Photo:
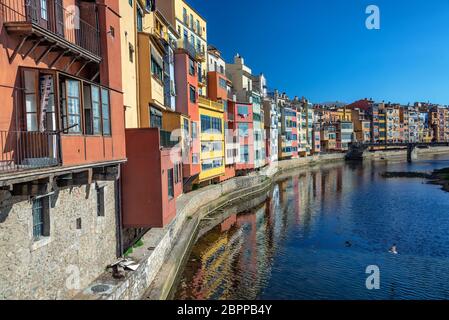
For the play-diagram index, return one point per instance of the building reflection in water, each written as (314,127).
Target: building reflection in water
(234,259)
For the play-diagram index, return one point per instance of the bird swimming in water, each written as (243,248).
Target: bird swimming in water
(393,249)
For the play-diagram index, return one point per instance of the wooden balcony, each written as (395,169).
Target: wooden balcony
(49,23)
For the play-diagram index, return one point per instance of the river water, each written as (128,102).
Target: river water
(293,245)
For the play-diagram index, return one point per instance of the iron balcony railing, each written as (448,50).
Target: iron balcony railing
(21,150)
(54,17)
(195,52)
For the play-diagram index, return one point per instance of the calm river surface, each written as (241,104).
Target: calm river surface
(293,245)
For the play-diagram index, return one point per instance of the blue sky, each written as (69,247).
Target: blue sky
(321,49)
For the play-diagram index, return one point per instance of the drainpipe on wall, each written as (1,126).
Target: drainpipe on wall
(118,205)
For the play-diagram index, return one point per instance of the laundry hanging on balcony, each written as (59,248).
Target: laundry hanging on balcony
(47,84)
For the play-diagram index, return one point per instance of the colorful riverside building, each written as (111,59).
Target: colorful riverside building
(288,132)
(243,127)
(362,125)
(153,177)
(438,118)
(305,125)
(207,148)
(260,137)
(219,89)
(61,145)
(192,30)
(242,86)
(212,141)
(272,125)
(413,123)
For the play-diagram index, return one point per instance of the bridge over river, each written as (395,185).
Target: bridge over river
(357,150)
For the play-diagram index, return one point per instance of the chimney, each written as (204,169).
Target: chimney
(238,59)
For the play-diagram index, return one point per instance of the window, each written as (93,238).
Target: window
(185,17)
(185,127)
(191,67)
(192,94)
(40,213)
(171,188)
(78,224)
(155,118)
(100,202)
(217,125)
(139,19)
(212,164)
(222,83)
(198,46)
(149,5)
(88,117)
(39,101)
(194,130)
(191,21)
(92,111)
(200,73)
(346,126)
(70,90)
(244,154)
(208,123)
(44,10)
(176,174)
(242,110)
(205,123)
(186,38)
(243,129)
(156,69)
(195,158)
(30,100)
(211,146)
(131,52)
(96,110)
(105,112)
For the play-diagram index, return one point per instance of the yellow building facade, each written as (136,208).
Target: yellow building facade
(212,138)
(128,29)
(192,30)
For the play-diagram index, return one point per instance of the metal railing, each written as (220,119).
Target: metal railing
(21,150)
(64,22)
(195,52)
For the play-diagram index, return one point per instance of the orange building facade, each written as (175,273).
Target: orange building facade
(62,143)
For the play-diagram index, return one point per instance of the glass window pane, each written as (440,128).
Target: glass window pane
(31,122)
(73,88)
(30,81)
(30,103)
(96,109)
(105,112)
